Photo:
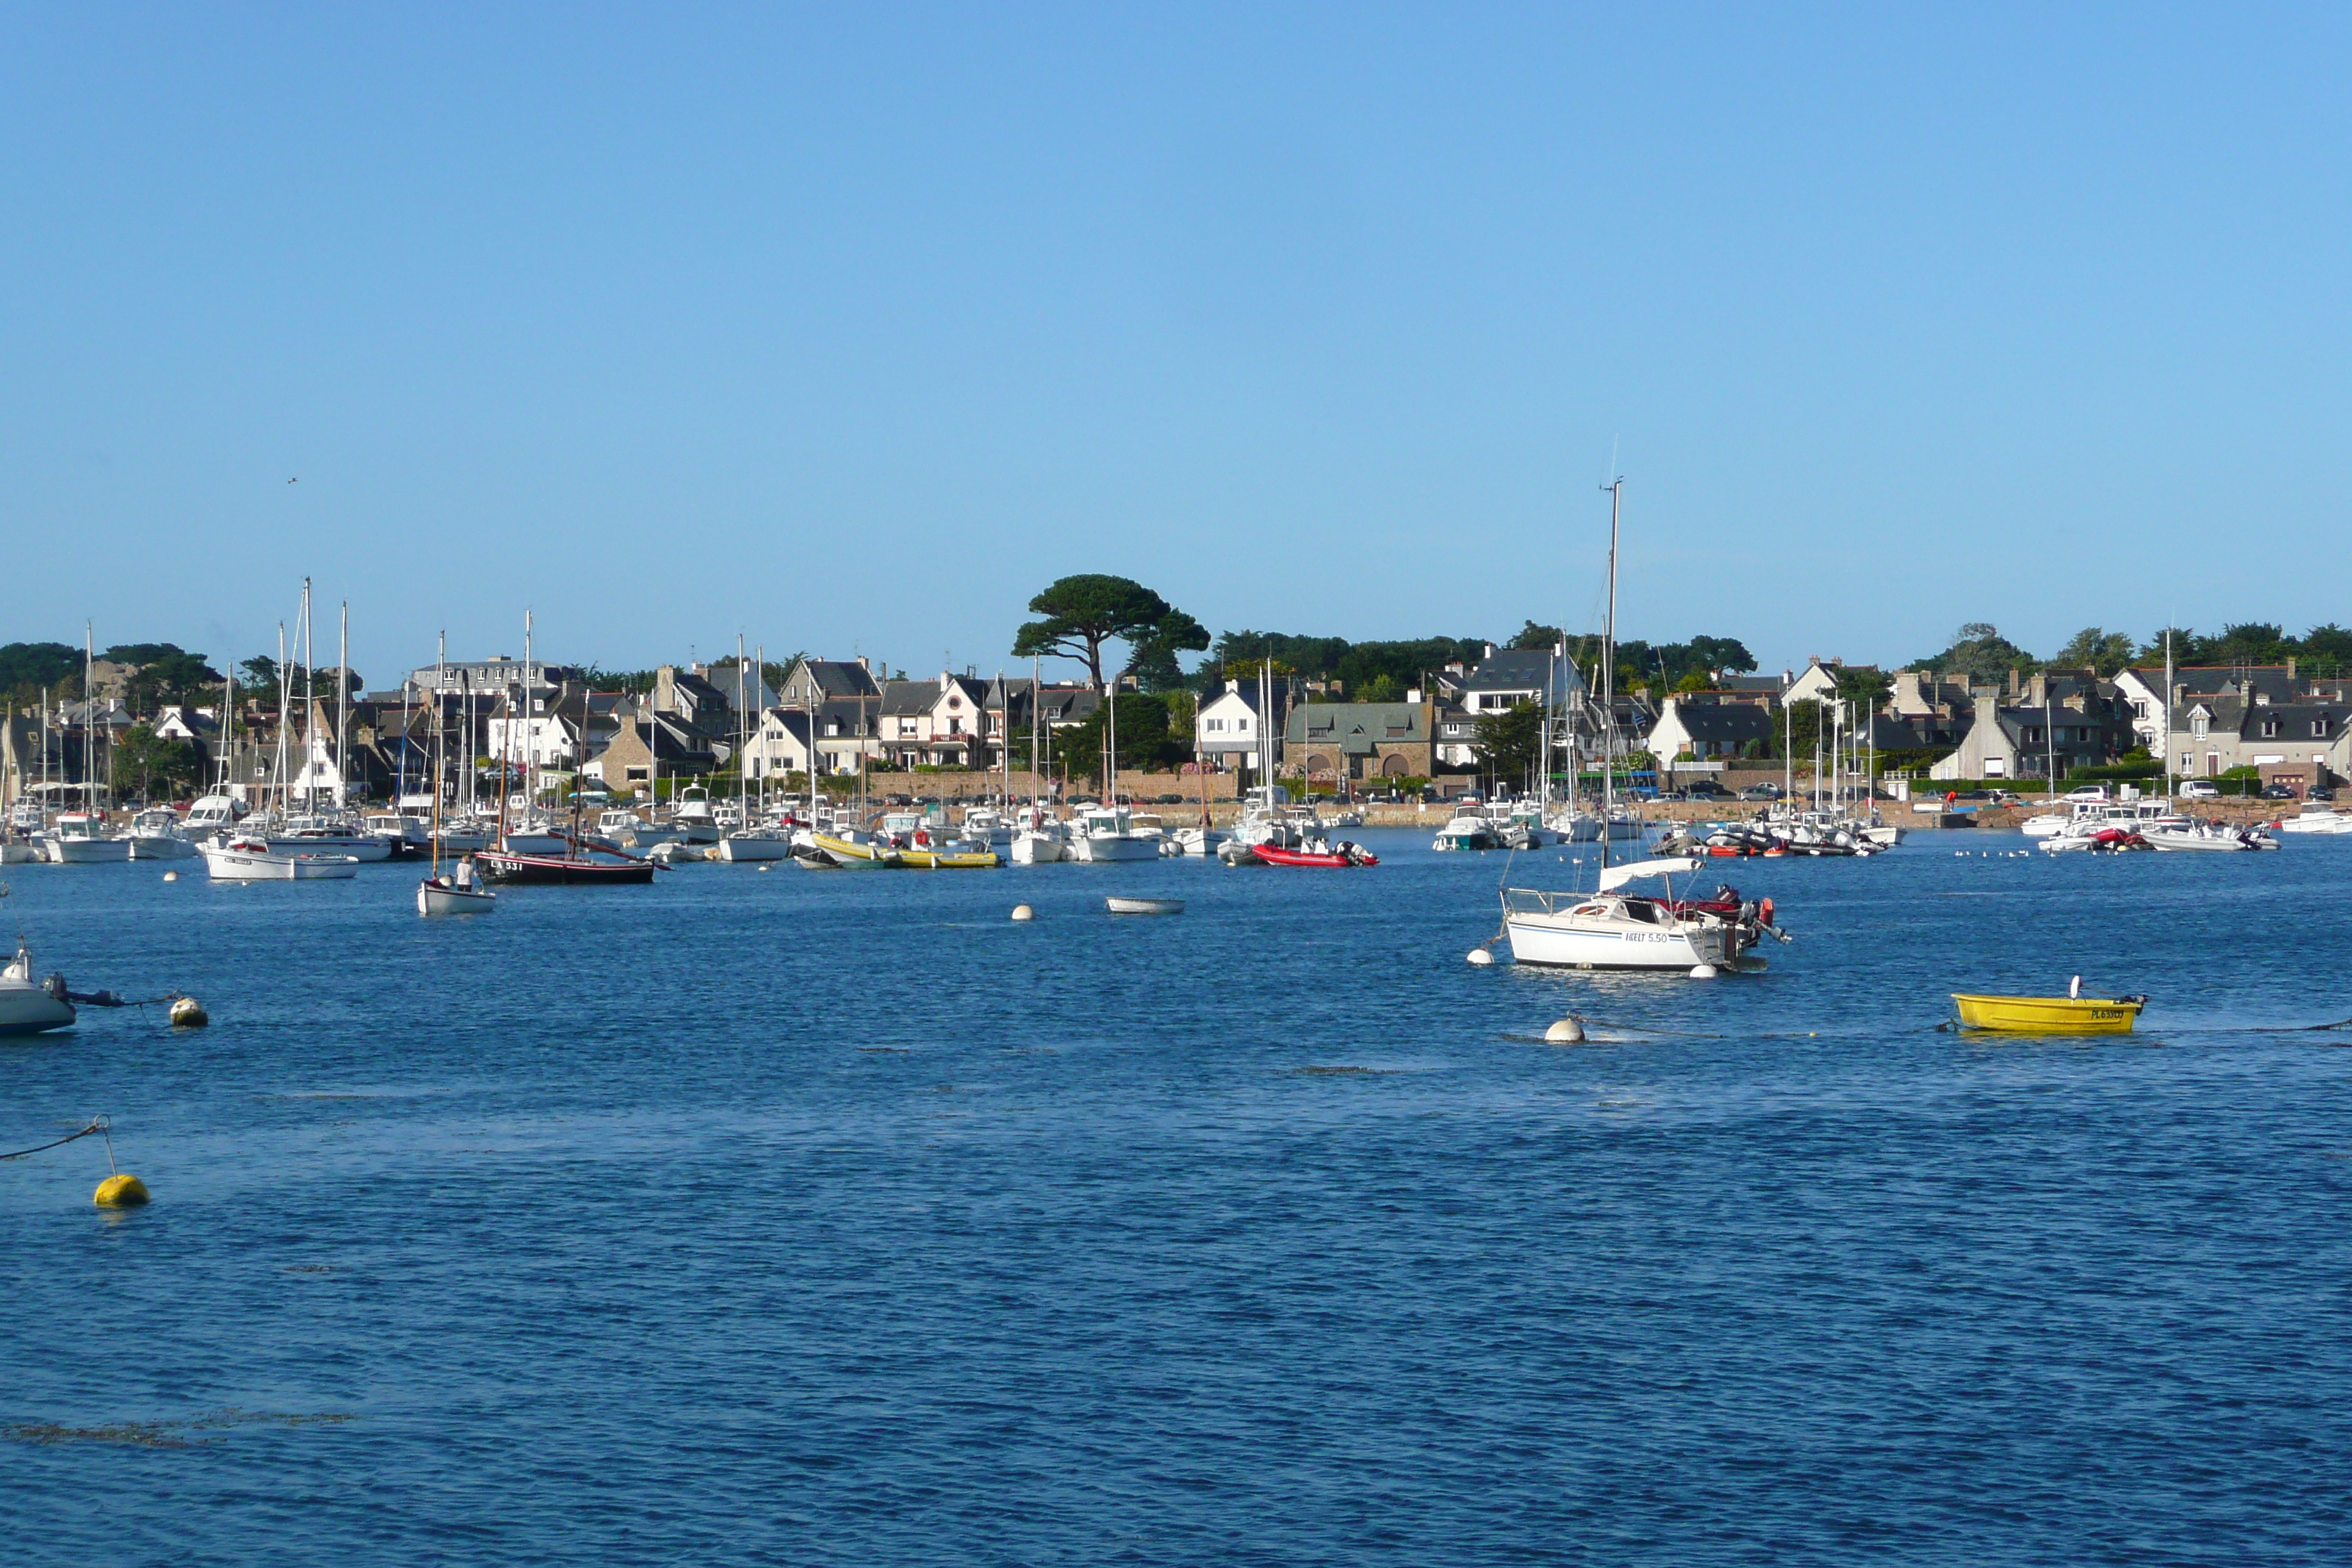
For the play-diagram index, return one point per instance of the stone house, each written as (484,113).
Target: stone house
(1707,731)
(1329,742)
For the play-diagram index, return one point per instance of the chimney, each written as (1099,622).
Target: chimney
(1413,695)
(2290,669)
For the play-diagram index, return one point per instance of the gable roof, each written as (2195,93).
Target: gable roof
(1357,728)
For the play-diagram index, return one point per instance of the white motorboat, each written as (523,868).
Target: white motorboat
(627,828)
(2316,819)
(987,828)
(1107,833)
(534,836)
(464,836)
(409,833)
(241,858)
(155,836)
(27,1006)
(1467,831)
(747,844)
(328,835)
(1198,840)
(1610,928)
(80,838)
(1039,840)
(2181,833)
(459,894)
(1119,906)
(212,814)
(691,820)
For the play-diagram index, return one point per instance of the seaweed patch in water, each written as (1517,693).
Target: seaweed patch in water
(161,1434)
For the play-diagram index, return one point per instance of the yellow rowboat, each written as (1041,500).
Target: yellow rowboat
(941,860)
(2050,1014)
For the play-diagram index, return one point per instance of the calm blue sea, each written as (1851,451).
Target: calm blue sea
(794,1219)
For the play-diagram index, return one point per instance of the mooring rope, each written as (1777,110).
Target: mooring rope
(97,1124)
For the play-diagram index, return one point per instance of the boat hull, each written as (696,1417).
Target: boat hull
(1273,856)
(1096,848)
(88,851)
(357,846)
(2049,1014)
(232,864)
(1563,942)
(26,1009)
(549,870)
(943,861)
(745,848)
(440,898)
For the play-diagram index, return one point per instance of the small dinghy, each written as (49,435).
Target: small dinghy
(1144,906)
(2050,1014)
(455,895)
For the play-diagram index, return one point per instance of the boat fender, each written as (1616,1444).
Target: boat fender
(119,1191)
(1703,972)
(187,1013)
(55,985)
(1764,910)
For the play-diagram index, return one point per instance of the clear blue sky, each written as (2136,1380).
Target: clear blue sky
(850,327)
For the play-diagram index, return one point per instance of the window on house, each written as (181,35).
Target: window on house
(2319,728)
(2270,728)
(955,726)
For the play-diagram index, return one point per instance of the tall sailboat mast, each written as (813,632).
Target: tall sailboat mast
(1616,489)
(343,705)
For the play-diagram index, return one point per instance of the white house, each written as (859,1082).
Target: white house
(1227,728)
(1707,731)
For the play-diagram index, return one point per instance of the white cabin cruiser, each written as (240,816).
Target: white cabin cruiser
(2316,819)
(155,836)
(1108,832)
(746,844)
(80,838)
(692,820)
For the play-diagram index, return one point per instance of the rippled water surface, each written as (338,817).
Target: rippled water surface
(787,1218)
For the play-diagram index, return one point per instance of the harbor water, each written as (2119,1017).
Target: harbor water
(795,1217)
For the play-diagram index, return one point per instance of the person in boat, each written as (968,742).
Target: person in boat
(463,877)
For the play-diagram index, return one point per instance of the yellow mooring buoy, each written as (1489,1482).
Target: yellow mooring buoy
(120,1191)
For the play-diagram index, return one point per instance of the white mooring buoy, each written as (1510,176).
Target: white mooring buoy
(1481,957)
(1567,1032)
(1024,912)
(171,876)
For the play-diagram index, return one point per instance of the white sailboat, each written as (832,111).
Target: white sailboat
(1610,928)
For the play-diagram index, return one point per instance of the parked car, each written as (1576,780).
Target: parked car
(898,800)
(1706,789)
(2320,792)
(2277,792)
(2201,789)
(1168,800)
(2089,794)
(1761,791)
(2002,796)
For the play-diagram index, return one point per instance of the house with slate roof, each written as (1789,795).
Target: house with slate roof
(1707,731)
(1328,741)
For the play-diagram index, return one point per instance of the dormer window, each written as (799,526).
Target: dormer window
(2270,728)
(2319,728)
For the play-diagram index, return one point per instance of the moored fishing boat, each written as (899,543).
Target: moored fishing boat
(80,838)
(590,869)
